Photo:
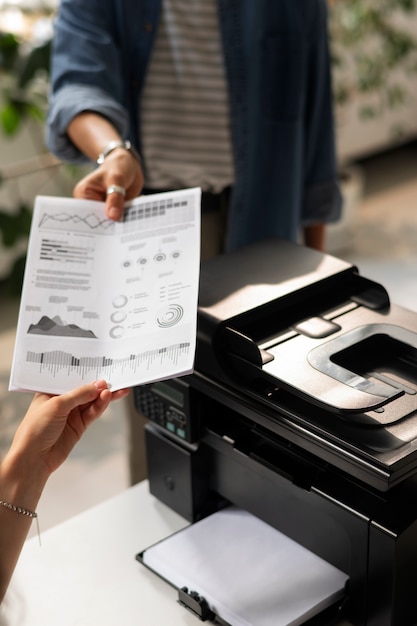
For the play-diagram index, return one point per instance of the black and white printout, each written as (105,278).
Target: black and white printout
(109,300)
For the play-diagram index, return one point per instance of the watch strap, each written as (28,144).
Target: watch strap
(114,145)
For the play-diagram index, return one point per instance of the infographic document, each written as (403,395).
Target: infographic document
(109,300)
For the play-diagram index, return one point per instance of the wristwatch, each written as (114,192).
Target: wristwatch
(113,145)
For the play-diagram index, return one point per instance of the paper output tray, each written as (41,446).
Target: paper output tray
(233,569)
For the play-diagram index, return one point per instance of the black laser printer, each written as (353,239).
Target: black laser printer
(302,410)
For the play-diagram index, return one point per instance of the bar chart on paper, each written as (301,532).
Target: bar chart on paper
(101,366)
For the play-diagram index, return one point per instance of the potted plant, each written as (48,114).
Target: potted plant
(21,100)
(26,167)
(374,55)
(374,67)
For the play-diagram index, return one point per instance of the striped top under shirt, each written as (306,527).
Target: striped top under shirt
(185,112)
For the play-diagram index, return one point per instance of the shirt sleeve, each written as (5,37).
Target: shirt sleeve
(71,101)
(322,199)
(86,71)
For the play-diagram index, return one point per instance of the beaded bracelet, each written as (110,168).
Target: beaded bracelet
(22,511)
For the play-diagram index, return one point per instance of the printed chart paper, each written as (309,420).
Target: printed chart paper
(109,300)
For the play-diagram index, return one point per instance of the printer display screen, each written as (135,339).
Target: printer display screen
(169,393)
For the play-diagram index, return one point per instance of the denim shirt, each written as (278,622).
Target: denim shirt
(278,71)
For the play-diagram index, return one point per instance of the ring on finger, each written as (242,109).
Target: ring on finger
(116,189)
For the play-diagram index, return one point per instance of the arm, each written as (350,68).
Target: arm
(87,72)
(47,434)
(91,76)
(91,133)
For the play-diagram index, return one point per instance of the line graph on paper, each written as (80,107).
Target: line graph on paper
(65,221)
(57,362)
(147,214)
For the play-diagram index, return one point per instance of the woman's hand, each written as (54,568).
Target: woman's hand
(54,424)
(47,434)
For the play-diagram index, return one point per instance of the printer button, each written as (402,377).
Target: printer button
(316,327)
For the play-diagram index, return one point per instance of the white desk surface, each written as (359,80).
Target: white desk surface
(85,573)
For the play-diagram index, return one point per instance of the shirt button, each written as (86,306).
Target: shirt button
(148,27)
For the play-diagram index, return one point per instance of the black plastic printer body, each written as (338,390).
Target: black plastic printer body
(302,410)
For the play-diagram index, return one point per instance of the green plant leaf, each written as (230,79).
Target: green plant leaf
(37,60)
(371,45)
(8,229)
(14,226)
(10,118)
(9,50)
(35,112)
(14,281)
(24,220)
(368,112)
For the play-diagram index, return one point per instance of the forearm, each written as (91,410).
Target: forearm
(21,485)
(91,132)
(45,437)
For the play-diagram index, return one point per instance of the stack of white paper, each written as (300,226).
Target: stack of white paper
(249,573)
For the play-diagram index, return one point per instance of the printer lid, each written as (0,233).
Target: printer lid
(287,313)
(241,281)
(280,321)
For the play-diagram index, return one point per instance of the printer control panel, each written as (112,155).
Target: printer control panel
(168,404)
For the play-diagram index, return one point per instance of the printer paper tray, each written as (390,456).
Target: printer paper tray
(248,573)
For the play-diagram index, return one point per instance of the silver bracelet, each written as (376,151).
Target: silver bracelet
(22,511)
(114,145)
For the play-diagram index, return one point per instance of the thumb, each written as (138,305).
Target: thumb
(115,199)
(79,396)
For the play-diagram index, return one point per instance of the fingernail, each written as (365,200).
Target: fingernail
(113,213)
